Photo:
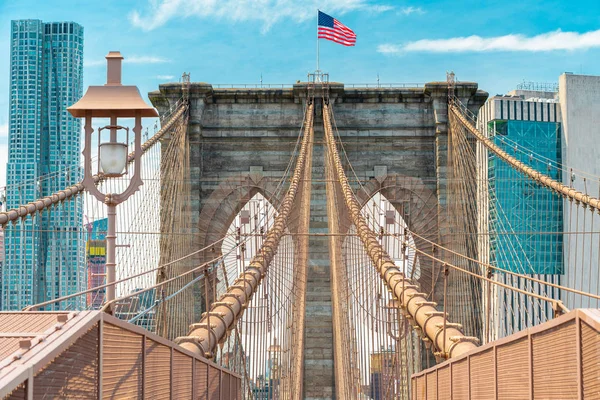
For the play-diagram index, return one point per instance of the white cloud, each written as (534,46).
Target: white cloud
(165,77)
(550,41)
(389,48)
(380,8)
(267,12)
(129,60)
(94,63)
(412,10)
(144,60)
(3,133)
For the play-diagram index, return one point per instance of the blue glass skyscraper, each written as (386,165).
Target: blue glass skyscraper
(44,253)
(521,210)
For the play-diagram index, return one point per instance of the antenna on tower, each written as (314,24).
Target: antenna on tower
(451,79)
(185,85)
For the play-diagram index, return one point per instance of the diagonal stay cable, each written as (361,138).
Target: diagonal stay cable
(445,336)
(573,194)
(203,337)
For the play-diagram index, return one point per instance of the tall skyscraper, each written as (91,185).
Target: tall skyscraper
(44,254)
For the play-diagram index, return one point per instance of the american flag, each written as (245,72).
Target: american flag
(332,29)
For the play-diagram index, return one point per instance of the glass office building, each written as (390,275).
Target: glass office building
(521,222)
(44,254)
(532,214)
(519,210)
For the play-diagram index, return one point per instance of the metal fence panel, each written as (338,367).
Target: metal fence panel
(431,381)
(73,374)
(590,354)
(554,360)
(157,380)
(555,363)
(99,356)
(214,383)
(513,357)
(225,387)
(420,389)
(444,383)
(483,375)
(121,363)
(20,393)
(460,380)
(201,380)
(182,376)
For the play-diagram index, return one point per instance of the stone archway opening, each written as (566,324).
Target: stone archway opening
(259,346)
(245,236)
(385,344)
(381,214)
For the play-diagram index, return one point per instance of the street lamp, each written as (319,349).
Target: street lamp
(113,101)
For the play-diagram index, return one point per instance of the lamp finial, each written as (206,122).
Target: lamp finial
(113,68)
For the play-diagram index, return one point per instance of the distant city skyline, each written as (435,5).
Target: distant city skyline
(408,41)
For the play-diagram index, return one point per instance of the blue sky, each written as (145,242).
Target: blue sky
(495,43)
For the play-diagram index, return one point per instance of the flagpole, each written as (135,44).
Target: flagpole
(317,39)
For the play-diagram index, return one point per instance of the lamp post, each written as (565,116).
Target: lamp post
(114,101)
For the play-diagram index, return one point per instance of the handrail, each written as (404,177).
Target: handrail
(383,85)
(33,307)
(290,86)
(71,191)
(164,117)
(558,304)
(252,85)
(505,271)
(545,180)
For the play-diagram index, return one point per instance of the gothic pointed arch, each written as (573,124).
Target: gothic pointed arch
(416,202)
(225,202)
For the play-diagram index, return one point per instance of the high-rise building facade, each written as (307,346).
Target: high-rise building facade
(96,261)
(521,222)
(44,254)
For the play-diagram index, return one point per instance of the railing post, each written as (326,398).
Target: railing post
(530,370)
(489,306)
(579,351)
(29,387)
(171,374)
(446,273)
(221,384)
(143,367)
(100,355)
(111,239)
(193,377)
(164,311)
(495,354)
